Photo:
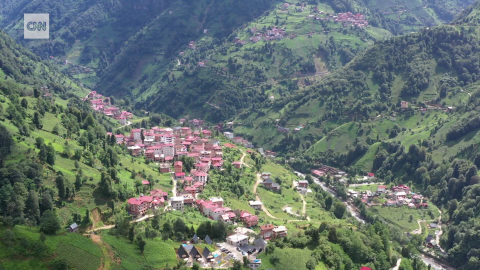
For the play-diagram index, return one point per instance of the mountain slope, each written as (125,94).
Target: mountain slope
(139,60)
(430,69)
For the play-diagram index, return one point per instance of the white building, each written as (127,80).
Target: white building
(237,240)
(177,203)
(257,205)
(228,135)
(168,150)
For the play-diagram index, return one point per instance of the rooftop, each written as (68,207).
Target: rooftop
(237,237)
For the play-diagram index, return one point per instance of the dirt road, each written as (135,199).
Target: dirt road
(108,257)
(259,180)
(242,158)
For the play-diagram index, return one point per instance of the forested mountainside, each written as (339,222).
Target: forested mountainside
(433,69)
(406,109)
(59,167)
(140,59)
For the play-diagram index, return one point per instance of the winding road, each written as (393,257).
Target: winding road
(259,180)
(436,265)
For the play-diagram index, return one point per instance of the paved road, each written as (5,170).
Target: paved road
(237,255)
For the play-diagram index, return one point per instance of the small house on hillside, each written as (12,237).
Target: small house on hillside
(73,228)
(303,183)
(382,188)
(182,252)
(207,254)
(195,239)
(207,240)
(195,254)
(257,205)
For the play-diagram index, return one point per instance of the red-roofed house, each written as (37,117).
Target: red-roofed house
(207,133)
(237,164)
(188,180)
(164,167)
(202,167)
(381,188)
(158,193)
(178,166)
(179,175)
(365,268)
(191,190)
(251,221)
(119,138)
(266,231)
(200,176)
(243,215)
(135,134)
(198,186)
(144,182)
(139,206)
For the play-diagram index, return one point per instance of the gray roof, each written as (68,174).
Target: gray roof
(268,181)
(208,240)
(248,248)
(303,181)
(73,226)
(206,253)
(195,239)
(194,253)
(260,243)
(275,185)
(182,252)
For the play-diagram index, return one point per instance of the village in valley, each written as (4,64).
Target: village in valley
(392,202)
(205,149)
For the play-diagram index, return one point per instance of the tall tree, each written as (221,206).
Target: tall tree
(49,223)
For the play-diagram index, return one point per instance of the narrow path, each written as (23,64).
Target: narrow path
(113,226)
(304,209)
(106,259)
(174,188)
(470,95)
(397,266)
(259,180)
(440,233)
(127,124)
(242,158)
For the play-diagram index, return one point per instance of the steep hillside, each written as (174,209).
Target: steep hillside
(430,70)
(139,60)
(406,109)
(57,168)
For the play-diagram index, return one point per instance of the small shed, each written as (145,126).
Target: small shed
(73,228)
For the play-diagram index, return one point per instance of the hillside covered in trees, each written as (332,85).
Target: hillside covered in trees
(140,60)
(406,109)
